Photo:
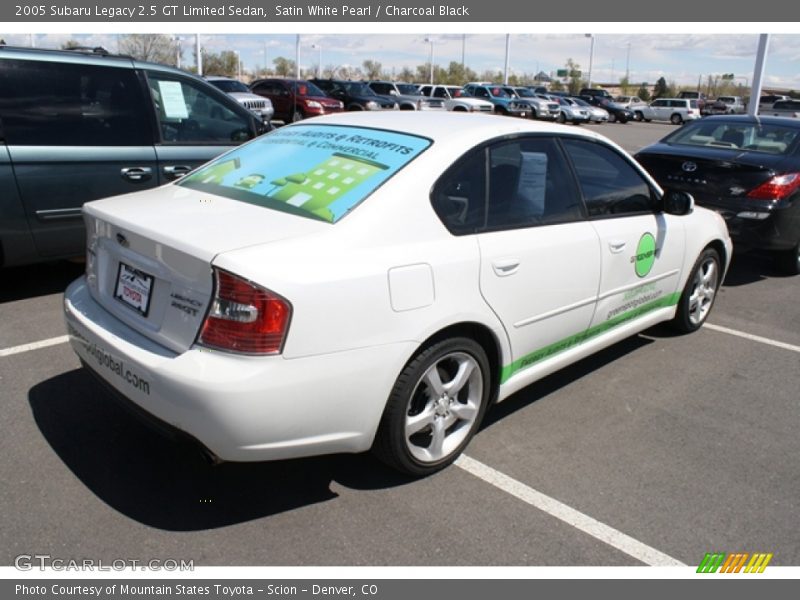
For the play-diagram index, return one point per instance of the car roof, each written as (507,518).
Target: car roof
(744,119)
(449,127)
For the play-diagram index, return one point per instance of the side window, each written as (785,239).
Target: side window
(459,197)
(530,184)
(481,93)
(62,104)
(425,90)
(440,93)
(381,88)
(610,184)
(187,114)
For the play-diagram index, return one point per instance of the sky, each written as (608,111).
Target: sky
(679,58)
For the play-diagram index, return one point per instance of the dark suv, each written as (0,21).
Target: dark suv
(295,99)
(77,126)
(355,95)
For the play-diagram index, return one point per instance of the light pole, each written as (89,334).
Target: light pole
(178,50)
(198,52)
(238,64)
(508,53)
(319,63)
(591,57)
(430,41)
(628,64)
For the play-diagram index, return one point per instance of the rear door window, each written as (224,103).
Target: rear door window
(316,171)
(63,104)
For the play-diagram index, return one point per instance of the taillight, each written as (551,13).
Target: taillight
(245,318)
(777,188)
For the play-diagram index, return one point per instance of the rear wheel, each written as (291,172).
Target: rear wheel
(676,119)
(698,296)
(612,118)
(639,116)
(435,407)
(789,261)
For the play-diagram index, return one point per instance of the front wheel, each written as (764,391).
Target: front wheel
(698,296)
(435,407)
(561,118)
(676,119)
(639,116)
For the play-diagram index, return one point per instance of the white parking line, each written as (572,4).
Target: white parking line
(570,516)
(34,345)
(754,338)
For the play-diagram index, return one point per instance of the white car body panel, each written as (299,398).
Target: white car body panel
(366,292)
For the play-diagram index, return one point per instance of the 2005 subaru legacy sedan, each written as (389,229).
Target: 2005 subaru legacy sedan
(374,280)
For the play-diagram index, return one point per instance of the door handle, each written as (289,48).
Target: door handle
(616,246)
(176,171)
(136,173)
(505,267)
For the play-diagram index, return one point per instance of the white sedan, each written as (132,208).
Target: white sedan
(378,280)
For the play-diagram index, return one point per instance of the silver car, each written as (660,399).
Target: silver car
(242,94)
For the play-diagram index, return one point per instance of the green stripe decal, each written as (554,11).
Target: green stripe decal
(574,340)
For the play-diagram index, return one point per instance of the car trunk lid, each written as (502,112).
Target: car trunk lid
(713,175)
(150,255)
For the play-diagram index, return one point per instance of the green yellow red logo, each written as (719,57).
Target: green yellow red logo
(736,562)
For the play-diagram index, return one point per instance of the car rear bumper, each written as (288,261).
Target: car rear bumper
(758,225)
(241,408)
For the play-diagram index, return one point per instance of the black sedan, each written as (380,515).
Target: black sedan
(747,169)
(616,112)
(355,95)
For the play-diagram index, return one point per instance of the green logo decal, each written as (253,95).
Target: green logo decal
(645,255)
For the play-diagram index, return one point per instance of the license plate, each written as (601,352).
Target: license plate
(133,288)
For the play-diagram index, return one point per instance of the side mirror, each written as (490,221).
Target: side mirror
(677,203)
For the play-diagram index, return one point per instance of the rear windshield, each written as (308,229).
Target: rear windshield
(316,171)
(753,137)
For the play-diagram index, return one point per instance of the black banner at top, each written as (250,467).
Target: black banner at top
(408,11)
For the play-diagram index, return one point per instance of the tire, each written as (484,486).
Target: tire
(638,116)
(423,430)
(789,261)
(700,292)
(612,118)
(297,116)
(459,109)
(676,119)
(561,118)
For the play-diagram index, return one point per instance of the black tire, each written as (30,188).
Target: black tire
(561,118)
(612,118)
(676,119)
(789,261)
(413,396)
(459,109)
(297,116)
(638,116)
(698,296)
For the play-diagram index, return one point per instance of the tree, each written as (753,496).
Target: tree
(643,93)
(406,74)
(575,81)
(372,69)
(556,86)
(625,85)
(226,63)
(284,67)
(660,90)
(157,48)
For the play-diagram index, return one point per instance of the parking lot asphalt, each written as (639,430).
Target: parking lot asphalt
(662,447)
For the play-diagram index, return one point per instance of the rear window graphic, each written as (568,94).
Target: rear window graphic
(317,171)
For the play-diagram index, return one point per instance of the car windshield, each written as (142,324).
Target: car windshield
(499,92)
(306,88)
(406,89)
(581,102)
(356,88)
(229,86)
(316,171)
(753,137)
(524,93)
